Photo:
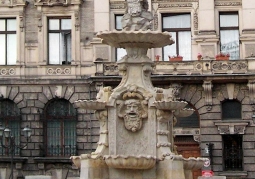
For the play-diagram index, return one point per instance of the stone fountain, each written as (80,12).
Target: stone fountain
(136,119)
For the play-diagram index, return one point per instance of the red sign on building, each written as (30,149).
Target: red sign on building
(207,173)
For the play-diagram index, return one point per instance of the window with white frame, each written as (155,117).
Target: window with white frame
(229,34)
(179,25)
(8,41)
(120,52)
(59,41)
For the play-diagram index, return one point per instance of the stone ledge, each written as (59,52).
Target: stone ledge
(52,160)
(234,173)
(15,159)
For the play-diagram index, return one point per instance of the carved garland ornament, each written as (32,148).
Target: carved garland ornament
(6,71)
(58,71)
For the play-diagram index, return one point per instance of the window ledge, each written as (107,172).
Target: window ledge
(233,173)
(52,160)
(15,159)
(231,126)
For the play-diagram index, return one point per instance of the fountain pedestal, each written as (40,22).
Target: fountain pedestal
(136,119)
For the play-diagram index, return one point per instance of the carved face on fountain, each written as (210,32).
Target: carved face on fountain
(132,116)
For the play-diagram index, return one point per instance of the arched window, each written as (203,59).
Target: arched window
(231,110)
(190,121)
(10,117)
(60,128)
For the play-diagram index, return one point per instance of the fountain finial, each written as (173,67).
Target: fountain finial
(137,16)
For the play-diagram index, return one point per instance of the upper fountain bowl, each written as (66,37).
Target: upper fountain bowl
(139,39)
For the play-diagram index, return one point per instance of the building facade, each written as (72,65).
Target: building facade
(50,57)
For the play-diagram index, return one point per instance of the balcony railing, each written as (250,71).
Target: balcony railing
(203,67)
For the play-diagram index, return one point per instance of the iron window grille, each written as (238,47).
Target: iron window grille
(232,152)
(10,116)
(60,118)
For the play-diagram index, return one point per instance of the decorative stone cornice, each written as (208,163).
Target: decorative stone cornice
(13,3)
(228,3)
(162,5)
(117,5)
(251,86)
(231,127)
(57,2)
(208,94)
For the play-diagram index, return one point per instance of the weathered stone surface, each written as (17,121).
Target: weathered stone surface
(13,93)
(47,92)
(29,89)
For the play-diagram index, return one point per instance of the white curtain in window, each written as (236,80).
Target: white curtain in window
(185,45)
(2,49)
(11,49)
(230,43)
(118,24)
(170,50)
(229,20)
(54,50)
(177,21)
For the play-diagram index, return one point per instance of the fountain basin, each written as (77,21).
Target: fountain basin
(130,162)
(170,105)
(185,112)
(90,104)
(193,163)
(142,39)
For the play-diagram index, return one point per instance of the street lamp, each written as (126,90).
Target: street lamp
(6,133)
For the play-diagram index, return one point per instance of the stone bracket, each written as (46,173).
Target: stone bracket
(208,94)
(251,86)
(231,127)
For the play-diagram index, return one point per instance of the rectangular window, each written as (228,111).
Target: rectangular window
(232,152)
(8,42)
(60,41)
(229,34)
(179,26)
(120,52)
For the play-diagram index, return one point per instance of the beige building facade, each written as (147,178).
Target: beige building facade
(50,57)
